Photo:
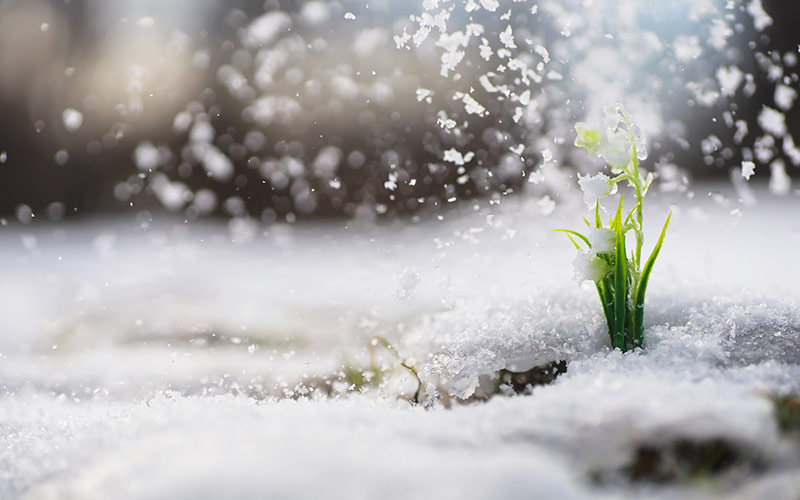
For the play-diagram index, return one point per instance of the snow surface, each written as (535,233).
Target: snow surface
(166,362)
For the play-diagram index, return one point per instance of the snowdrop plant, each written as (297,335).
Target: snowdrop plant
(620,276)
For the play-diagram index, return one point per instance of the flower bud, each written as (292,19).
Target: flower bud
(602,240)
(589,266)
(596,187)
(588,138)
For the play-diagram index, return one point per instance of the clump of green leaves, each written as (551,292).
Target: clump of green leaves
(620,276)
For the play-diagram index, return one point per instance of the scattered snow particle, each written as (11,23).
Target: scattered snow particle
(182,122)
(719,33)
(791,150)
(61,157)
(729,79)
(3,157)
(490,5)
(702,93)
(471,106)
(391,184)
(444,121)
(24,214)
(507,38)
(760,17)
(172,195)
(327,161)
(204,202)
(202,132)
(784,97)
(710,144)
(750,85)
(315,12)
(349,16)
(748,169)
(146,156)
(449,61)
(265,29)
(687,48)
(424,95)
(485,50)
(72,118)
(536,177)
(487,85)
(452,155)
(402,40)
(741,131)
(216,164)
(546,205)
(764,148)
(542,51)
(772,121)
(779,181)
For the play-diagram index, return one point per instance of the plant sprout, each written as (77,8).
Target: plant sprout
(620,277)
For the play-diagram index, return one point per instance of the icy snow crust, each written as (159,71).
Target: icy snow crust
(165,363)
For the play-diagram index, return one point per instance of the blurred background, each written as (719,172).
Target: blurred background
(293,108)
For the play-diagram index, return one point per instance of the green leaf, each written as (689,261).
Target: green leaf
(638,318)
(574,233)
(605,295)
(620,283)
(630,214)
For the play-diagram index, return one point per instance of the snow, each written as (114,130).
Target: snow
(595,187)
(761,19)
(146,156)
(217,360)
(784,97)
(748,169)
(266,28)
(772,121)
(490,5)
(167,359)
(72,119)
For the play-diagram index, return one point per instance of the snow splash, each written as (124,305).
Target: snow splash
(512,79)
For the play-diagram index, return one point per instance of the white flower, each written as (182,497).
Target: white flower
(620,129)
(588,138)
(589,266)
(602,240)
(617,150)
(596,187)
